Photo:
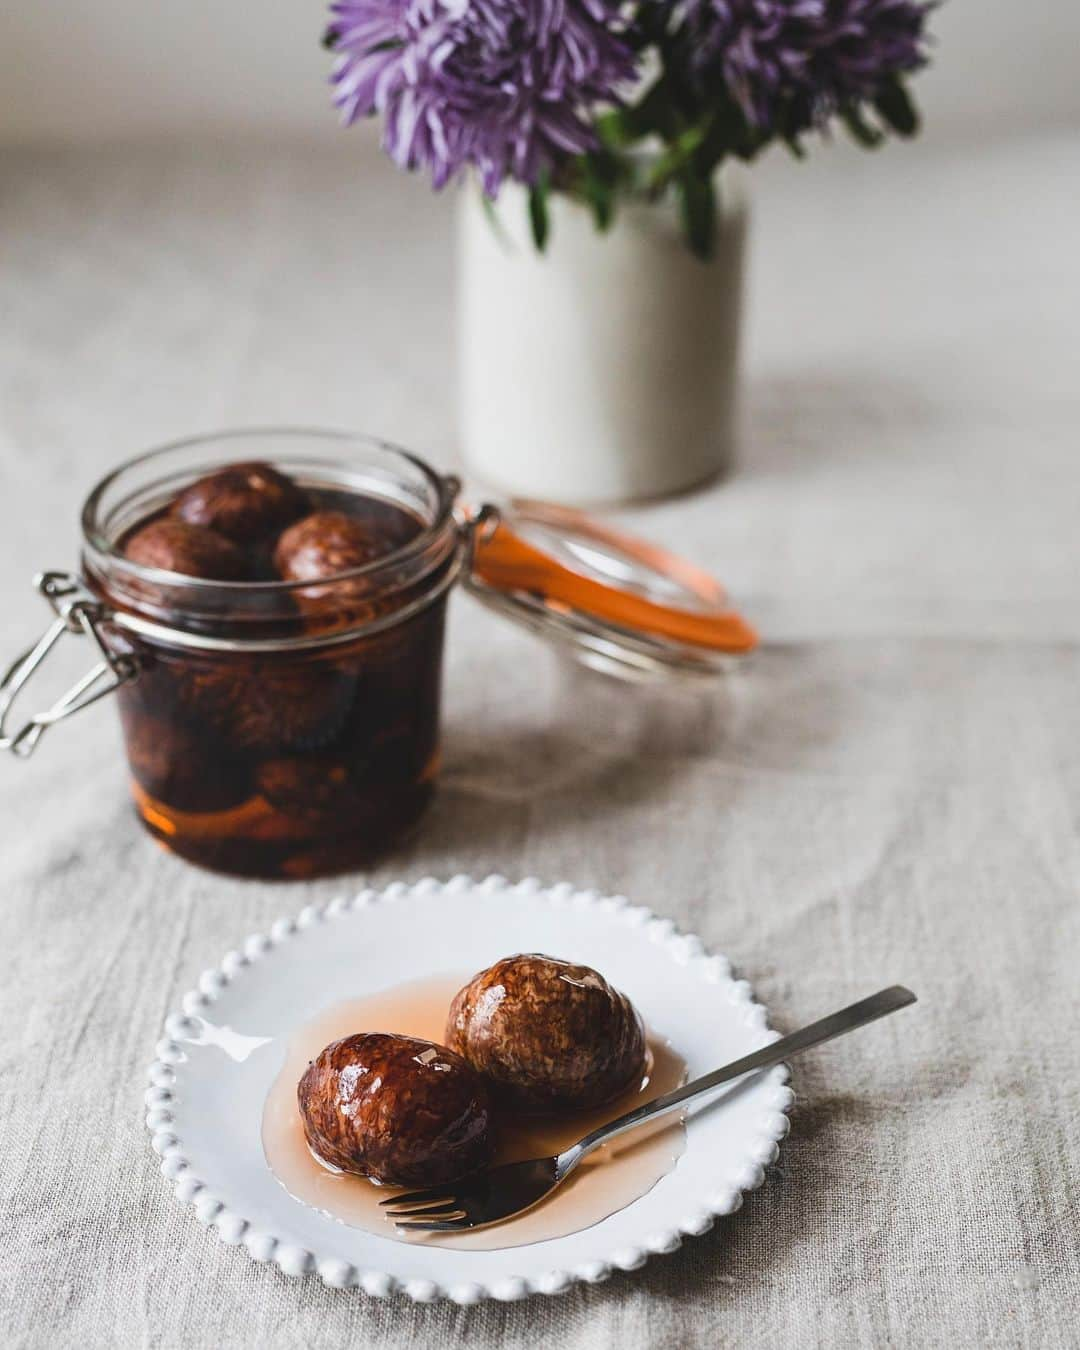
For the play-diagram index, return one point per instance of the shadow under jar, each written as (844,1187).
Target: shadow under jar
(281,727)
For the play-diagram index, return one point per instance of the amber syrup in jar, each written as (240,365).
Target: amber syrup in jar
(297,762)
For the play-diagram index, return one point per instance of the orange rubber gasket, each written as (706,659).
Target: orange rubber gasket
(506,562)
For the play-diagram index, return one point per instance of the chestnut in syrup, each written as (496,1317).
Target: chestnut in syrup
(293,759)
(267,706)
(397,1109)
(192,550)
(327,543)
(179,768)
(244,502)
(550,1034)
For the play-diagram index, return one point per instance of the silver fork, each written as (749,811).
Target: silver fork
(490,1197)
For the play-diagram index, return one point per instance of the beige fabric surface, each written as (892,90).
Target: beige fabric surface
(889,790)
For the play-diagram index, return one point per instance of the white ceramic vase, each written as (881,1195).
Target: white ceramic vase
(604,369)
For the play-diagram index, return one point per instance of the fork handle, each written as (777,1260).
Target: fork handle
(837,1024)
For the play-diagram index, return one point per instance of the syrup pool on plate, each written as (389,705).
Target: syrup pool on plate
(608,1180)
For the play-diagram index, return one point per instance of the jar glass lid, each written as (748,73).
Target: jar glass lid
(621,604)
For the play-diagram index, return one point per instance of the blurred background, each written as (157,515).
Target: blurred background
(122,69)
(189,240)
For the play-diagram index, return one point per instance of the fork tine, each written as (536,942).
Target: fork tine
(429,1209)
(429,1193)
(454,1225)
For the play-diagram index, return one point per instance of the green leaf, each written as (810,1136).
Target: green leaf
(725,133)
(677,157)
(859,128)
(656,113)
(617,128)
(896,109)
(600,174)
(538,212)
(697,206)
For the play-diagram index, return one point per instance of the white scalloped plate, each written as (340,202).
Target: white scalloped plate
(205,1109)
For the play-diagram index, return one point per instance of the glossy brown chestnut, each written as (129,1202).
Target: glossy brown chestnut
(267,706)
(327,543)
(193,550)
(553,1035)
(245,502)
(315,789)
(180,769)
(397,1109)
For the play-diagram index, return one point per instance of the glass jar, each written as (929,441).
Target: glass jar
(290,728)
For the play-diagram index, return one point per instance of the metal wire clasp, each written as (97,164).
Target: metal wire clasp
(479,524)
(78,612)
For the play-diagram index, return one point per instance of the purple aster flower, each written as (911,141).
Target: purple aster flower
(506,85)
(801,59)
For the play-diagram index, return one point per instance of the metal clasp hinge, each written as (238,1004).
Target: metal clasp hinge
(77,612)
(476,525)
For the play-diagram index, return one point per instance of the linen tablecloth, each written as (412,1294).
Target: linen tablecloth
(888,791)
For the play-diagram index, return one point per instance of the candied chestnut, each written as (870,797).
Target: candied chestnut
(400,1110)
(259,706)
(178,768)
(193,550)
(244,502)
(327,543)
(313,789)
(553,1035)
